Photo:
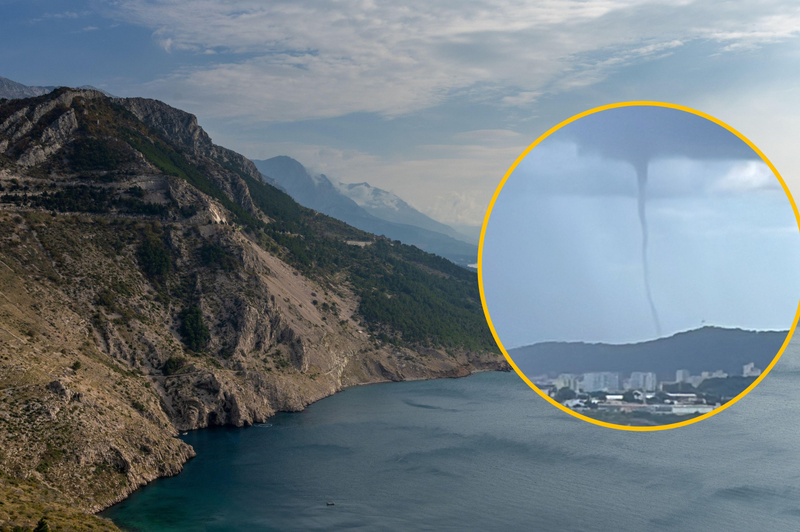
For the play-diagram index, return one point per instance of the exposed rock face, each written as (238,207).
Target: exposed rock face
(53,116)
(182,128)
(97,373)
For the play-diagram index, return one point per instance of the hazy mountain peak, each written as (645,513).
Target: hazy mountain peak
(371,197)
(368,208)
(12,90)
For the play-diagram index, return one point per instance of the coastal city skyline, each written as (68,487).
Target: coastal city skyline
(606,395)
(612,381)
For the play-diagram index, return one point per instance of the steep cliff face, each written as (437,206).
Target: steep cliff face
(150,284)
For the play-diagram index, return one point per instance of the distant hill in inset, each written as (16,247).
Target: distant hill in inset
(321,194)
(698,350)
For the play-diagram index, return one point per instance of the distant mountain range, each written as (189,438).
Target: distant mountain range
(698,350)
(390,207)
(367,208)
(360,205)
(11,90)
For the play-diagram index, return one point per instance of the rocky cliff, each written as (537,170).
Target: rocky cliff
(151,283)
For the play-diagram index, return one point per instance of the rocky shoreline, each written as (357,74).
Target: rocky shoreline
(501,367)
(145,291)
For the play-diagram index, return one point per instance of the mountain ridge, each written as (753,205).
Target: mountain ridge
(390,207)
(705,349)
(151,282)
(318,192)
(12,90)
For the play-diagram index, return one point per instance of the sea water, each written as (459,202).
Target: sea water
(485,453)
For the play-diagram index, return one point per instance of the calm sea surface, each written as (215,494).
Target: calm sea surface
(486,453)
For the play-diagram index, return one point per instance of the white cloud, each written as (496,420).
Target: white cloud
(769,116)
(57,16)
(488,136)
(285,61)
(746,176)
(310,59)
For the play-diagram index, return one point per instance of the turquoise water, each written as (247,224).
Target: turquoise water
(485,453)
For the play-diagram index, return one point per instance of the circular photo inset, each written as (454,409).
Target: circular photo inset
(639,266)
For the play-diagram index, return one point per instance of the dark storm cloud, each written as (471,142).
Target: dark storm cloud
(645,133)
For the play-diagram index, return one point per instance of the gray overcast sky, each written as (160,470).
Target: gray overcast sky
(432,100)
(562,255)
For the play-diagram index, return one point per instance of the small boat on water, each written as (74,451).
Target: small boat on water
(330,503)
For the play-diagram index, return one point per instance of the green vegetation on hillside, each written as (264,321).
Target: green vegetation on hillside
(91,153)
(28,504)
(85,198)
(173,365)
(171,162)
(154,256)
(406,296)
(194,331)
(216,256)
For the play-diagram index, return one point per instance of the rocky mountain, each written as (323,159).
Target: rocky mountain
(390,207)
(11,90)
(367,208)
(151,282)
(704,349)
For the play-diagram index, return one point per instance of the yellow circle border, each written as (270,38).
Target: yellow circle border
(638,103)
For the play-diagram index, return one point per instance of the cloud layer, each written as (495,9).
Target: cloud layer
(303,59)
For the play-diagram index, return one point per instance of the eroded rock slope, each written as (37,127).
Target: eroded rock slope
(151,283)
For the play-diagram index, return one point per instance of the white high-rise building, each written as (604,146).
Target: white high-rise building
(750,370)
(567,380)
(602,381)
(682,375)
(719,374)
(642,381)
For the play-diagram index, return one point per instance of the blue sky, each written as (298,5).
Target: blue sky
(562,251)
(433,101)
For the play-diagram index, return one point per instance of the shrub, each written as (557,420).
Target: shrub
(173,365)
(193,331)
(91,153)
(106,298)
(214,255)
(154,257)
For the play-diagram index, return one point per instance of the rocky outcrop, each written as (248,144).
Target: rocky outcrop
(270,350)
(97,372)
(53,139)
(182,127)
(35,132)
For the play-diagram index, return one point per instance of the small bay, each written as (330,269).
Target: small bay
(485,453)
